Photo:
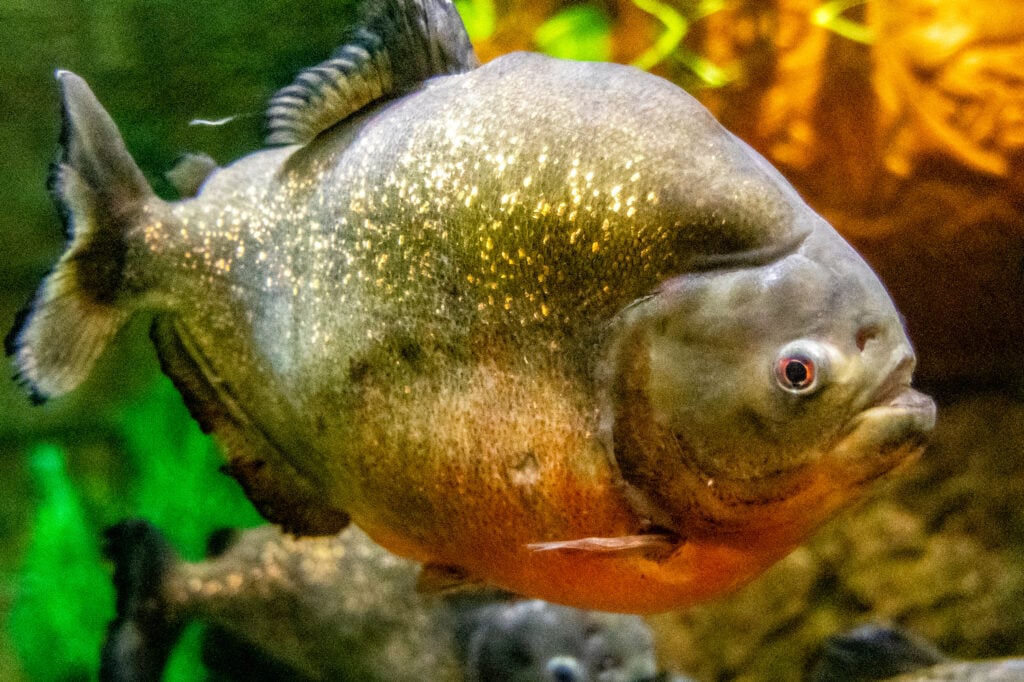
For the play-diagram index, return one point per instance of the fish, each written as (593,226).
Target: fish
(342,608)
(884,652)
(535,324)
(562,644)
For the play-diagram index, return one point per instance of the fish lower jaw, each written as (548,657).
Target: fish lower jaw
(886,435)
(912,409)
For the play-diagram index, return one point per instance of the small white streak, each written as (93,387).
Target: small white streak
(216,121)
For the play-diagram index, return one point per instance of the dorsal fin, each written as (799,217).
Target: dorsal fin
(395,45)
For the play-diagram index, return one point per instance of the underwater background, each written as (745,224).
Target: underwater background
(878,112)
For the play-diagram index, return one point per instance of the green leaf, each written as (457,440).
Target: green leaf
(479,17)
(830,16)
(582,33)
(676,27)
(670,43)
(710,74)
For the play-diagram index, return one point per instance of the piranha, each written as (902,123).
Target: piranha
(539,324)
(342,608)
(882,652)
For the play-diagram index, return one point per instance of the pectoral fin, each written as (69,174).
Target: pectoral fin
(653,546)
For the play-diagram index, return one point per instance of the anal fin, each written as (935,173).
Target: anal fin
(287,504)
(279,492)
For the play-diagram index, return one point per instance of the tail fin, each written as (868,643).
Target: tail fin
(142,636)
(101,194)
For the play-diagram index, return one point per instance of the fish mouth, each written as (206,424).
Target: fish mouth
(902,411)
(895,396)
(910,400)
(893,428)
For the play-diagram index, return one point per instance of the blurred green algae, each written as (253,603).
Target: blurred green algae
(580,33)
(64,597)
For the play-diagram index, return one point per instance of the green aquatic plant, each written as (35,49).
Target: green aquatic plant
(581,33)
(479,16)
(64,597)
(670,43)
(184,664)
(676,26)
(178,486)
(830,16)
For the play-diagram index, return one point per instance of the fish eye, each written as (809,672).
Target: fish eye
(799,368)
(796,373)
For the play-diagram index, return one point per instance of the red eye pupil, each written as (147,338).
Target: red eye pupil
(797,372)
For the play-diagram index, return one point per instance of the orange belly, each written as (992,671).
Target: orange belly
(490,539)
(626,582)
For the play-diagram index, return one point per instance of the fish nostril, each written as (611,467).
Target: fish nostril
(867,333)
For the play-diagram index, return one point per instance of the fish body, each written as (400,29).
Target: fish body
(342,608)
(539,324)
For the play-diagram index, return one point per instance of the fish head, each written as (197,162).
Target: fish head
(764,394)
